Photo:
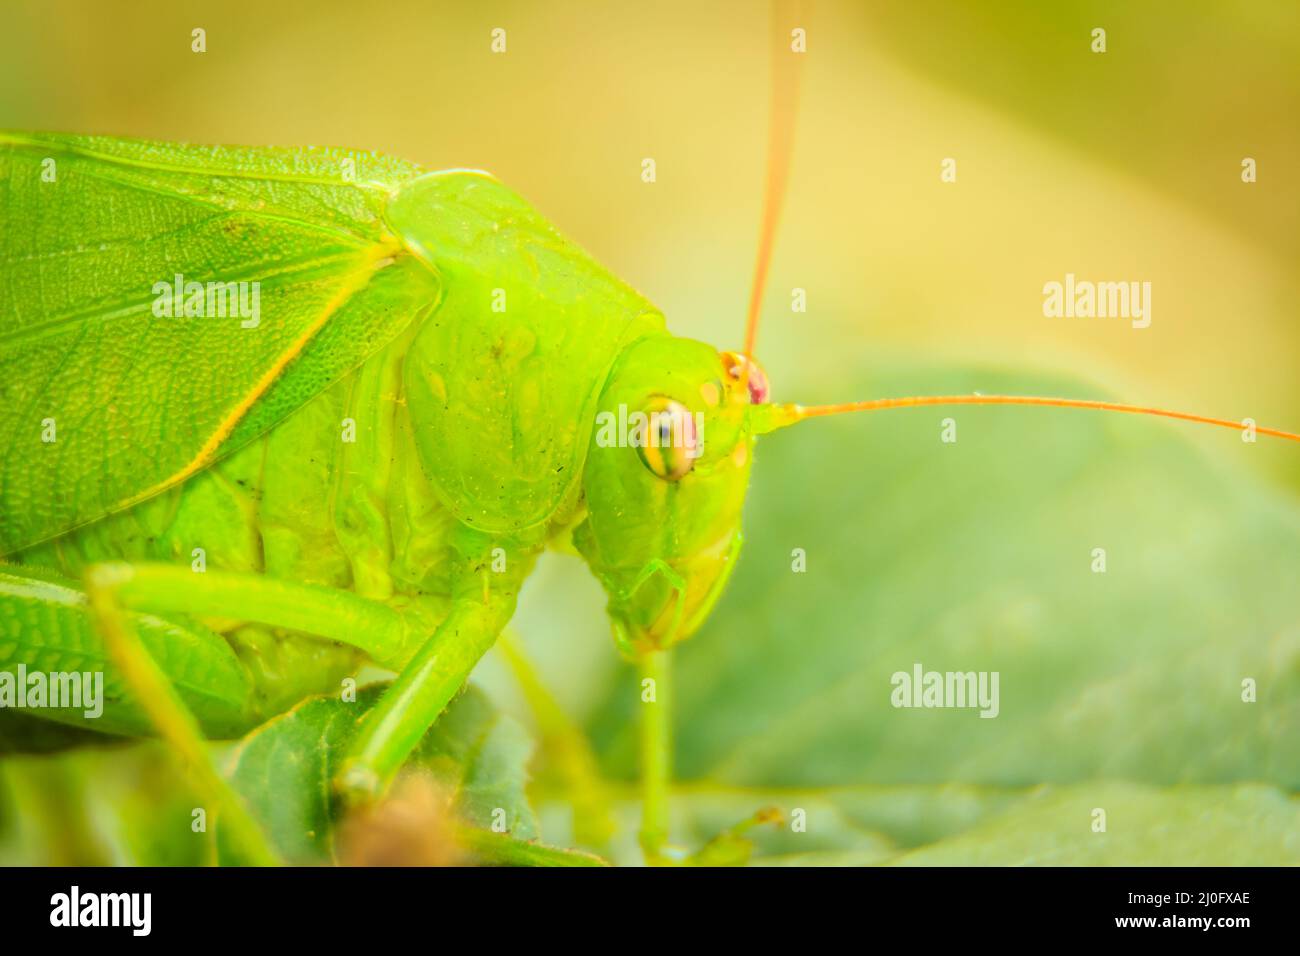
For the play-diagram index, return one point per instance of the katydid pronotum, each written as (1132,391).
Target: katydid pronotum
(274,413)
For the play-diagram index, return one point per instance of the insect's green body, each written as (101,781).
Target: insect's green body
(412,420)
(299,504)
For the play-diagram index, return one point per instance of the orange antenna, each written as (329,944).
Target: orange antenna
(768,418)
(788,42)
(786,61)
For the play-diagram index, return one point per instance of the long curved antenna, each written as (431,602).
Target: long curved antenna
(769,418)
(780,145)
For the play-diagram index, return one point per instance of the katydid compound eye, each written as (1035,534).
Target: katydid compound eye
(735,365)
(667,439)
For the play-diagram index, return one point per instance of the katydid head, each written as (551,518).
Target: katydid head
(665,485)
(662,531)
(663,523)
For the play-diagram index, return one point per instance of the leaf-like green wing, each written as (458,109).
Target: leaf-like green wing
(44,626)
(107,396)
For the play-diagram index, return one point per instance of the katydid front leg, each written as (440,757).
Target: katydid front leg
(485,588)
(393,728)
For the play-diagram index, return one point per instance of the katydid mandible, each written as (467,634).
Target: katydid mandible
(274,413)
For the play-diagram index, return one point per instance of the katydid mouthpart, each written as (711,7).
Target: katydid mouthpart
(232,513)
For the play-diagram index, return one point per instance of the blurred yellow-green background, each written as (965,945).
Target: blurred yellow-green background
(1117,166)
(1120,165)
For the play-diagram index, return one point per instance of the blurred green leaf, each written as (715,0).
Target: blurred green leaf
(1177,826)
(977,556)
(45,811)
(285,768)
(1239,825)
(154,808)
(25,733)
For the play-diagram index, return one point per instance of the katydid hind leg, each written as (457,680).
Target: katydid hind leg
(343,616)
(174,721)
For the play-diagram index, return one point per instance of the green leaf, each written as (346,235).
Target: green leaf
(1144,826)
(22,733)
(1239,825)
(977,556)
(284,769)
(832,826)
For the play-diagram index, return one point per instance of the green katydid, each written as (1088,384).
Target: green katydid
(239,509)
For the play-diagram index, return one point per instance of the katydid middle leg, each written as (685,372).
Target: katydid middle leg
(568,748)
(656,749)
(654,729)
